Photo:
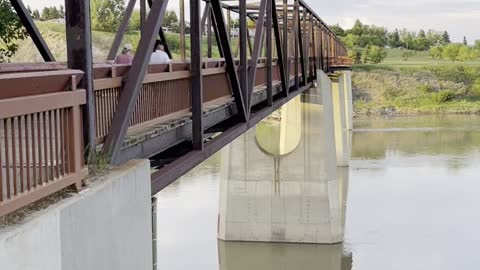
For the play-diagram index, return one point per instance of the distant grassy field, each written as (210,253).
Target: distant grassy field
(54,35)
(394,61)
(420,85)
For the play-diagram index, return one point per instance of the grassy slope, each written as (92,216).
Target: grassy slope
(414,86)
(54,35)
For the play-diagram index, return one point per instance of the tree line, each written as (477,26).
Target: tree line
(48,13)
(367,43)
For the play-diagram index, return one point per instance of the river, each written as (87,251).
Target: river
(413,191)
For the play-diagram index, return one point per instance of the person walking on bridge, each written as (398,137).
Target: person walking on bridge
(159,56)
(126,57)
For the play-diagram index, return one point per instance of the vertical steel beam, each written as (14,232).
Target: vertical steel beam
(301,42)
(209,32)
(278,42)
(79,56)
(252,69)
(306,46)
(131,90)
(285,42)
(243,49)
(143,13)
(292,38)
(196,75)
(229,26)
(221,32)
(32,30)
(269,54)
(182,29)
(296,44)
(121,30)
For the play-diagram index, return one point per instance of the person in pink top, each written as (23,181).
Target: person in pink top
(126,57)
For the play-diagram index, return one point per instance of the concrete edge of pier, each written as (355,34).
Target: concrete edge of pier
(106,226)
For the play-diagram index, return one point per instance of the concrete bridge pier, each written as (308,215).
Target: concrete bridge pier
(342,112)
(280,184)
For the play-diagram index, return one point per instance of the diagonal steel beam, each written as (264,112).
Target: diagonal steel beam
(269,53)
(258,44)
(302,50)
(217,38)
(133,82)
(291,40)
(243,41)
(221,32)
(278,42)
(32,30)
(121,30)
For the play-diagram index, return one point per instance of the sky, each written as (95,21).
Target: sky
(459,17)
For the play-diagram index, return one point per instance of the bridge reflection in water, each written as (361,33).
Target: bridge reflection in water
(276,256)
(279,181)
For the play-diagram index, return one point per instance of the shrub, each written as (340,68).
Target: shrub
(475,90)
(391,93)
(443,96)
(425,88)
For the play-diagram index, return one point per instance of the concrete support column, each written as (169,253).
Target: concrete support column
(340,119)
(281,185)
(347,75)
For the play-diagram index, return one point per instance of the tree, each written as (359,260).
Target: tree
(446,37)
(135,20)
(170,19)
(393,39)
(477,44)
(11,30)
(61,11)
(107,14)
(436,52)
(421,34)
(451,52)
(338,30)
(46,14)
(465,41)
(375,54)
(36,15)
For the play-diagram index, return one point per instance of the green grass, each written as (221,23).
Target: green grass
(54,35)
(419,85)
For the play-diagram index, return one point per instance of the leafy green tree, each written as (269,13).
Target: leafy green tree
(393,39)
(170,19)
(135,20)
(338,30)
(356,54)
(107,14)
(375,54)
(11,30)
(46,14)
(452,51)
(466,54)
(436,52)
(477,44)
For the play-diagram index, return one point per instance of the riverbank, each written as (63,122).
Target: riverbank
(418,86)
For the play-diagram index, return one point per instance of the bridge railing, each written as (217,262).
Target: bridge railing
(165,92)
(41,149)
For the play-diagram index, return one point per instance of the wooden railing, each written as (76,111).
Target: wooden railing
(41,149)
(165,92)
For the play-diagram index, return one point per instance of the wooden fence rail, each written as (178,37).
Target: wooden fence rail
(41,149)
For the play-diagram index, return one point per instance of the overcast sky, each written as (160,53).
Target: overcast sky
(459,17)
